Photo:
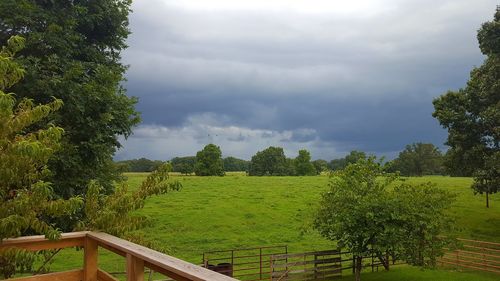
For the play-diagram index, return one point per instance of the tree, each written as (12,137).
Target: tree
(116,213)
(28,203)
(269,162)
(361,213)
(73,53)
(472,115)
(209,161)
(232,164)
(26,197)
(320,165)
(184,165)
(303,165)
(140,165)
(352,157)
(419,159)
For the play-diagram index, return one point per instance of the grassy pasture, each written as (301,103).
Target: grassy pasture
(212,213)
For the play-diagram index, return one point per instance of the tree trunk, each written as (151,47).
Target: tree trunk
(357,268)
(384,261)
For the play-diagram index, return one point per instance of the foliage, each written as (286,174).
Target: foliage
(209,161)
(114,213)
(73,53)
(269,162)
(320,165)
(183,165)
(247,209)
(232,164)
(139,165)
(352,157)
(419,159)
(364,216)
(303,165)
(472,115)
(26,198)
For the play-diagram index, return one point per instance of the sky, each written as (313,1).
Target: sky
(323,75)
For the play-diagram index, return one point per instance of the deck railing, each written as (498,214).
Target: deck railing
(137,259)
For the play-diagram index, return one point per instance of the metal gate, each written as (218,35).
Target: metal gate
(322,265)
(248,264)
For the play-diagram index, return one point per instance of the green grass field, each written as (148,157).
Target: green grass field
(212,213)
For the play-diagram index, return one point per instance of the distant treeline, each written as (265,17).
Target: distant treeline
(184,165)
(417,159)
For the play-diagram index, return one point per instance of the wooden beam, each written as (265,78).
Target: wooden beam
(165,272)
(39,242)
(171,265)
(72,275)
(90,260)
(104,276)
(135,268)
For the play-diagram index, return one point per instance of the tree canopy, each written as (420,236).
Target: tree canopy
(183,165)
(472,116)
(139,165)
(269,162)
(233,164)
(209,161)
(73,53)
(362,214)
(26,196)
(419,159)
(320,165)
(303,165)
(352,157)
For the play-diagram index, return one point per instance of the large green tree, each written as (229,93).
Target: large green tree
(26,197)
(233,164)
(472,116)
(419,159)
(352,157)
(73,53)
(209,161)
(139,165)
(184,165)
(270,162)
(320,165)
(303,165)
(367,211)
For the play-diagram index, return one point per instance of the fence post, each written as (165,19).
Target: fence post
(260,261)
(90,260)
(135,268)
(271,267)
(372,262)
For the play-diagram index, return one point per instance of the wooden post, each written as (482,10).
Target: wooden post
(260,261)
(372,262)
(271,267)
(90,260)
(135,268)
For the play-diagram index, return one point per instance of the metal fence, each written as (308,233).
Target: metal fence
(247,264)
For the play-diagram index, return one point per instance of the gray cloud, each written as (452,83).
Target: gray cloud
(327,77)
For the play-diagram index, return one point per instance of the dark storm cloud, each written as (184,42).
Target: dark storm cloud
(327,80)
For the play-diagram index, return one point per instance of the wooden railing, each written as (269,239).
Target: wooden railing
(137,259)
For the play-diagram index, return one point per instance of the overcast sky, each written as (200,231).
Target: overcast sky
(328,76)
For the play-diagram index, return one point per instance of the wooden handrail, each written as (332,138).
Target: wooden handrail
(169,264)
(39,242)
(137,257)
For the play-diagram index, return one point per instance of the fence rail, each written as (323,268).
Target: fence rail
(474,254)
(248,264)
(137,259)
